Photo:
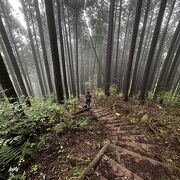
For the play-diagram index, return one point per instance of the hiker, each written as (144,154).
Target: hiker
(88,99)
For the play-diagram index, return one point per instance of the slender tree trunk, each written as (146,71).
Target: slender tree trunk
(173,68)
(123,52)
(132,49)
(38,53)
(62,48)
(38,16)
(14,45)
(11,70)
(109,48)
(13,60)
(137,59)
(33,47)
(76,41)
(69,52)
(117,46)
(7,86)
(152,49)
(54,50)
(160,84)
(156,60)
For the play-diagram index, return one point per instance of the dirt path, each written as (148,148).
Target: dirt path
(129,156)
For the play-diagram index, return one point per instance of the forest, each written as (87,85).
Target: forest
(90,89)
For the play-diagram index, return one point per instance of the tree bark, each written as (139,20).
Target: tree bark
(33,47)
(109,48)
(117,46)
(62,49)
(54,50)
(137,59)
(152,49)
(7,86)
(162,77)
(38,16)
(132,49)
(13,60)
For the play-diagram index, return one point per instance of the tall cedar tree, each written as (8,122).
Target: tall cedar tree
(152,49)
(174,65)
(117,46)
(69,51)
(76,45)
(13,61)
(62,48)
(38,16)
(7,86)
(15,48)
(156,63)
(10,68)
(137,59)
(132,49)
(33,47)
(109,48)
(54,50)
(160,84)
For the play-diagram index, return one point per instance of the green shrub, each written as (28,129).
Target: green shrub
(19,135)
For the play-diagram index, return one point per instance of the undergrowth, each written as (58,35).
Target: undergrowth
(21,135)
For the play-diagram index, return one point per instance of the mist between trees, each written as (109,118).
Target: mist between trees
(73,46)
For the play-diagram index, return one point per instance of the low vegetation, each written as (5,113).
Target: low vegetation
(47,131)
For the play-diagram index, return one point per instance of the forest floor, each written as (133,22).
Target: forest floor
(68,151)
(146,136)
(146,139)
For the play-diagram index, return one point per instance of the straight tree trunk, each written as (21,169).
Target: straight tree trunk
(69,51)
(76,41)
(137,59)
(38,53)
(132,49)
(13,60)
(109,48)
(11,70)
(38,16)
(16,51)
(173,68)
(156,62)
(62,48)
(33,47)
(160,84)
(54,50)
(152,49)
(117,46)
(7,86)
(123,52)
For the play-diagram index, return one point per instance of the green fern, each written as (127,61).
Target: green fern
(8,155)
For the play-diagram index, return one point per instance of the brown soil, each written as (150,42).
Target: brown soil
(161,129)
(78,149)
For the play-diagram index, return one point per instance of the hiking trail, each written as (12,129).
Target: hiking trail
(129,155)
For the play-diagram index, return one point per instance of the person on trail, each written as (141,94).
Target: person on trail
(88,99)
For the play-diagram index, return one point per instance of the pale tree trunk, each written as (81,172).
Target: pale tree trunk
(13,61)
(62,48)
(152,49)
(117,46)
(132,49)
(33,48)
(137,59)
(160,84)
(109,48)
(36,5)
